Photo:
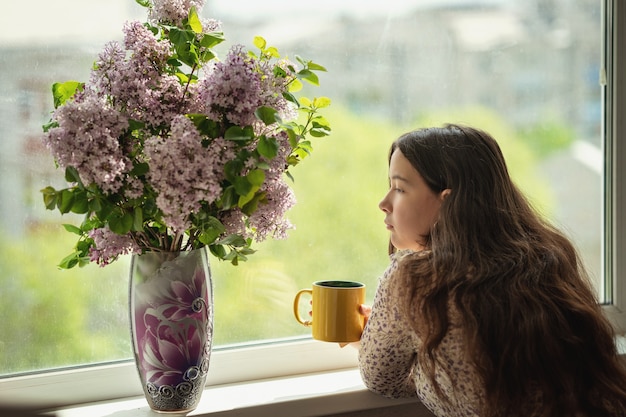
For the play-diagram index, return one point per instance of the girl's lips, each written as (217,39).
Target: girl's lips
(389,227)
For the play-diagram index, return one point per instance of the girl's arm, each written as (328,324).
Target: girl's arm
(387,350)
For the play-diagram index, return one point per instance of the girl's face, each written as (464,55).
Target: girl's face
(411,207)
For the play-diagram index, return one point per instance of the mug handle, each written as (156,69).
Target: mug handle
(296,309)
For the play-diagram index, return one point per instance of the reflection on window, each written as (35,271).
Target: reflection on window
(526,71)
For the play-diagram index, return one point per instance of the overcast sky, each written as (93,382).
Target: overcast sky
(61,21)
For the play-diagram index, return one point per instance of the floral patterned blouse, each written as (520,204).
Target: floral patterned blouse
(387,359)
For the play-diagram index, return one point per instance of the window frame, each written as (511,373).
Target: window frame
(614,84)
(300,356)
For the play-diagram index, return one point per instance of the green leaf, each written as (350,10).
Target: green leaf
(105,210)
(259,42)
(291,98)
(91,224)
(206,56)
(218,251)
(185,50)
(295,86)
(233,240)
(273,52)
(212,228)
(254,180)
(205,125)
(140,168)
(65,200)
(137,220)
(71,175)
(49,197)
(70,261)
(293,137)
(210,40)
(183,78)
(268,147)
(256,177)
(236,133)
(61,92)
(319,132)
(51,124)
(121,224)
(194,21)
(73,229)
(309,76)
(95,205)
(253,204)
(180,37)
(232,169)
(320,121)
(81,203)
(242,185)
(315,67)
(321,102)
(229,198)
(144,3)
(266,114)
(279,72)
(174,62)
(134,125)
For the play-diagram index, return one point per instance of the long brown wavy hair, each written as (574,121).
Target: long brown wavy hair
(532,326)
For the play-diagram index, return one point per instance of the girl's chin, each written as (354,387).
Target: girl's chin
(412,246)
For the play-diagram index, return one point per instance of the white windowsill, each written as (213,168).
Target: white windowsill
(315,394)
(299,396)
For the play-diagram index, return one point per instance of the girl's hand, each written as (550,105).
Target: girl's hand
(365,311)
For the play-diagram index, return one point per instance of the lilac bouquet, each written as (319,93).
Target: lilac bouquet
(168,148)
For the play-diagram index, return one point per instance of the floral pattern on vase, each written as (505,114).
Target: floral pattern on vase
(171,302)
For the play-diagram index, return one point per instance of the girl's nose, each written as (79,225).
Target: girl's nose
(384,204)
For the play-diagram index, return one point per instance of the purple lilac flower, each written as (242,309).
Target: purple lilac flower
(272,89)
(211,25)
(232,91)
(134,188)
(233,221)
(173,11)
(184,172)
(87,139)
(109,245)
(269,219)
(108,69)
(154,97)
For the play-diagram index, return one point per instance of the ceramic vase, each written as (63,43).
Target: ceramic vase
(171,316)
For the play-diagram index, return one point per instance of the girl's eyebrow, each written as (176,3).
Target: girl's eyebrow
(399,178)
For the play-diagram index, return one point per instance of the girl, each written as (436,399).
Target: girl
(485,309)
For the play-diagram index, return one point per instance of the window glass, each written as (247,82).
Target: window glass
(526,71)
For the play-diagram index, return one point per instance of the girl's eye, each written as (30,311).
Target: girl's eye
(399,190)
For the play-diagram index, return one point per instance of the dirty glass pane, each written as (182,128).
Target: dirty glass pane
(526,71)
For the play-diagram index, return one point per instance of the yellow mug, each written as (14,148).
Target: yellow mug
(336,316)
